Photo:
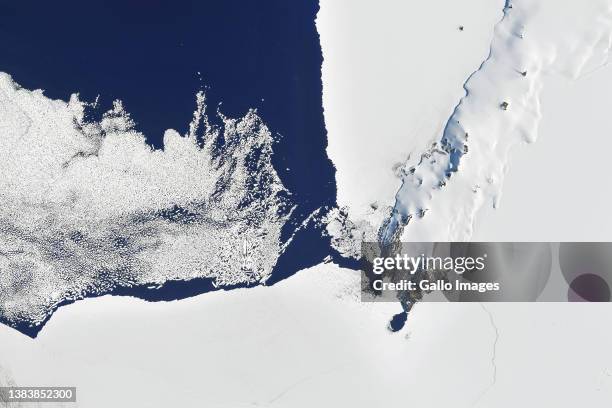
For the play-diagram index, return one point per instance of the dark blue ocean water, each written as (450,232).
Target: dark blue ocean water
(398,321)
(249,53)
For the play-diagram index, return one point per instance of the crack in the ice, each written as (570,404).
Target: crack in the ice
(493,354)
(302,381)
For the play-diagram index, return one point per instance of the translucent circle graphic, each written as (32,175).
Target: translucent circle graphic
(587,269)
(589,288)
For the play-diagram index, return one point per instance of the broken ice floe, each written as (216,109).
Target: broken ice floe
(87,206)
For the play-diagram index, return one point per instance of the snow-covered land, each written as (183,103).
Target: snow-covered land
(557,189)
(392,73)
(460,166)
(501,109)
